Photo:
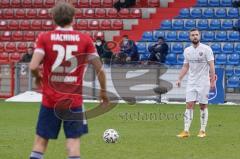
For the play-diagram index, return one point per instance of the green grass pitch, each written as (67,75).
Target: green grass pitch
(141,137)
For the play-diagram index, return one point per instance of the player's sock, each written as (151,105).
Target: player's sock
(203,119)
(36,155)
(74,157)
(188,117)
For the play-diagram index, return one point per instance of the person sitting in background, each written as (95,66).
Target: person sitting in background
(103,51)
(128,51)
(236,3)
(124,4)
(237,26)
(158,51)
(28,56)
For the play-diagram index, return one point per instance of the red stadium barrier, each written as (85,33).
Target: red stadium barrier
(6,79)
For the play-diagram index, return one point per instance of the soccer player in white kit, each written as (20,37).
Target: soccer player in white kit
(199,63)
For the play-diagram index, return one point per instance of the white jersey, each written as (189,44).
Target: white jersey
(198,59)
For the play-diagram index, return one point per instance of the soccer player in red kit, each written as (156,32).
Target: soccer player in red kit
(64,54)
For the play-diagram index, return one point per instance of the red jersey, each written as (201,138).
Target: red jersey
(66,54)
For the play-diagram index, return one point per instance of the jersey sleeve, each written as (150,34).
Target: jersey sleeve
(185,57)
(39,46)
(91,50)
(209,54)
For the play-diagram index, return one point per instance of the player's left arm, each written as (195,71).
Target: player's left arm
(212,74)
(210,59)
(93,58)
(97,64)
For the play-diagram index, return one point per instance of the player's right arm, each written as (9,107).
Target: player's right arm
(37,58)
(34,67)
(184,70)
(182,73)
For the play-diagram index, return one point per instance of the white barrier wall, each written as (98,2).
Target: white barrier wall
(150,82)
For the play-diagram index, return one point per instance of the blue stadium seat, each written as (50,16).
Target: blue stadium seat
(177,48)
(171,36)
(166,24)
(228,48)
(187,45)
(233,59)
(213,3)
(227,24)
(233,36)
(237,71)
(196,13)
(233,13)
(221,36)
(208,36)
(157,34)
(216,47)
(184,13)
(208,13)
(177,24)
(183,36)
(189,24)
(221,13)
(237,48)
(180,59)
(171,59)
(220,59)
(202,3)
(147,36)
(233,82)
(229,70)
(226,3)
(141,47)
(144,57)
(202,24)
(215,24)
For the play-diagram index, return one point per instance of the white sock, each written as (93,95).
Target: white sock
(74,157)
(203,119)
(188,117)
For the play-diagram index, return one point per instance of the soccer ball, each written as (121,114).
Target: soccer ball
(110,136)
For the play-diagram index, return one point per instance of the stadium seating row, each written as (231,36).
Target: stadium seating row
(92,24)
(232,70)
(220,59)
(81,13)
(76,3)
(202,24)
(214,3)
(11,47)
(178,48)
(21,46)
(233,82)
(13,57)
(26,3)
(209,13)
(184,36)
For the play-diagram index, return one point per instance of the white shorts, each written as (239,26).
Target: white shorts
(197,93)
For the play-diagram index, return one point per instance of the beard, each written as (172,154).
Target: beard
(195,42)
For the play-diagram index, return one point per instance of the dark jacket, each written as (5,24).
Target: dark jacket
(128,3)
(158,52)
(104,52)
(26,58)
(130,49)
